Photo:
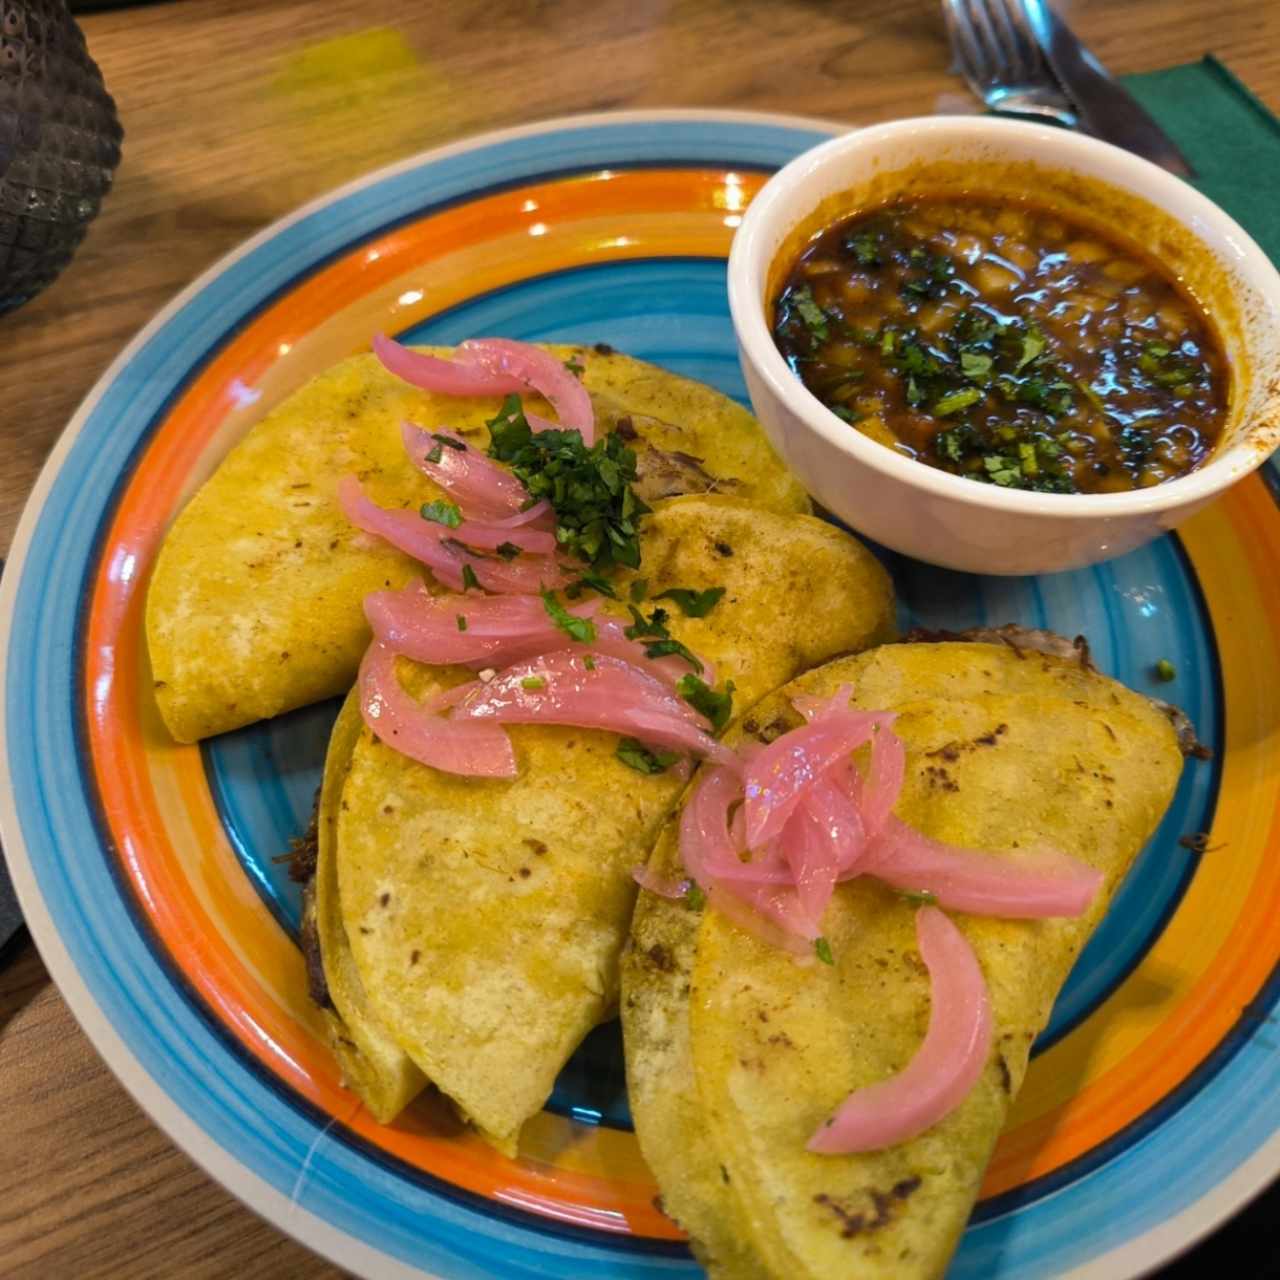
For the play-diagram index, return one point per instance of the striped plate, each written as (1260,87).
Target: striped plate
(149,873)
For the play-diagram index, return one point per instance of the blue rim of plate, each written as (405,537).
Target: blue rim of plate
(272,1153)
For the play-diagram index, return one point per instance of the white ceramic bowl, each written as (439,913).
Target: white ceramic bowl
(946,519)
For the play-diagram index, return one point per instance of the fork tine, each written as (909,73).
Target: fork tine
(975,63)
(1014,55)
(997,59)
(1027,55)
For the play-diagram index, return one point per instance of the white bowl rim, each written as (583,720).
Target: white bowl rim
(745,280)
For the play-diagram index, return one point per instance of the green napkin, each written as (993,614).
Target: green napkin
(1230,139)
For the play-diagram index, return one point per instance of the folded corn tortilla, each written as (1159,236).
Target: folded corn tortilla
(736,1054)
(485,917)
(254,606)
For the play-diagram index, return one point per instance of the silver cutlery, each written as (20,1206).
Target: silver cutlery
(1018,56)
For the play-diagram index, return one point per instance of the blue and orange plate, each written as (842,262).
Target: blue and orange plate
(151,874)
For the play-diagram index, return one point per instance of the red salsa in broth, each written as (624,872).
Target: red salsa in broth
(1005,343)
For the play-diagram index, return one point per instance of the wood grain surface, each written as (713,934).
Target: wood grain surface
(236,111)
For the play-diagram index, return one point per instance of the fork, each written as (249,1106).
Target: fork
(1001,62)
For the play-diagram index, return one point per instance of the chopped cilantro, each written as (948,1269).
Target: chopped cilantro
(589,488)
(865,248)
(437,452)
(637,756)
(574,367)
(974,365)
(591,582)
(581,629)
(822,949)
(469,578)
(462,621)
(812,314)
(668,647)
(921,897)
(508,550)
(653,626)
(717,707)
(451,442)
(589,662)
(441,512)
(695,899)
(693,604)
(1165,670)
(954,401)
(1002,471)
(639,589)
(1033,344)
(533,682)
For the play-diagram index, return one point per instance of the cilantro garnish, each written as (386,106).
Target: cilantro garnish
(1033,345)
(655,625)
(441,512)
(637,756)
(695,899)
(591,582)
(581,629)
(693,604)
(436,453)
(462,621)
(666,648)
(533,682)
(822,949)
(921,897)
(574,367)
(974,365)
(589,489)
(813,315)
(865,247)
(469,578)
(639,589)
(954,401)
(717,707)
(1165,670)
(451,442)
(508,550)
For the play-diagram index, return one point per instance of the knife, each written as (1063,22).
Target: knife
(1106,109)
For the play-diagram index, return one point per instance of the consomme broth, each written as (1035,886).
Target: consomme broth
(1006,343)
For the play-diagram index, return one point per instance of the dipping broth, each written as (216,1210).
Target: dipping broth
(1005,343)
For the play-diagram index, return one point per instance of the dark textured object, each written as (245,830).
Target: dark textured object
(59,144)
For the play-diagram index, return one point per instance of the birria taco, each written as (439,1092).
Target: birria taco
(481,918)
(831,1112)
(254,606)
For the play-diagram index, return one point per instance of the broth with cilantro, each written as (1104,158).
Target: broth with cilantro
(1000,341)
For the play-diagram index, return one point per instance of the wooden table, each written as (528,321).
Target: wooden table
(235,113)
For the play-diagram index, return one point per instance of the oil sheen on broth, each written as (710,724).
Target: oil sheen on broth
(1000,341)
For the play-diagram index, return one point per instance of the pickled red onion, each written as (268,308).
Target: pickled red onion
(610,694)
(1034,885)
(411,727)
(444,377)
(755,896)
(777,779)
(540,372)
(499,629)
(441,549)
(944,1069)
(482,488)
